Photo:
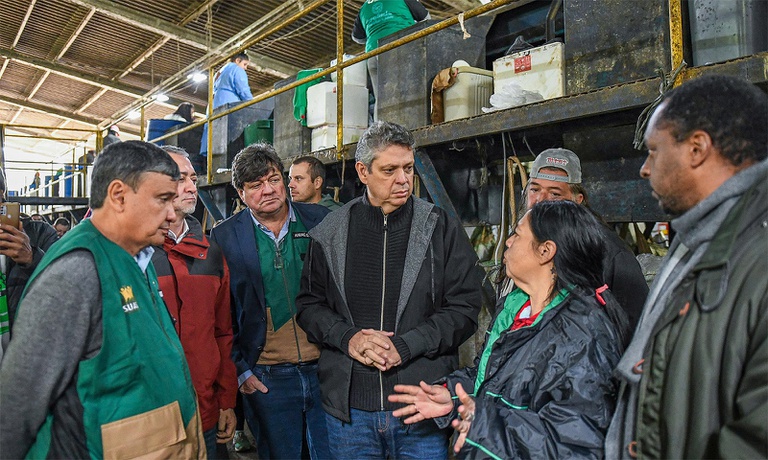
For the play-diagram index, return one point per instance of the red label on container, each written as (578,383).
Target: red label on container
(523,63)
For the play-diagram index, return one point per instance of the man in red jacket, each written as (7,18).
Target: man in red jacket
(194,280)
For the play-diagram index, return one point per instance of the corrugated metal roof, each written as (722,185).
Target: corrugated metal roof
(89,61)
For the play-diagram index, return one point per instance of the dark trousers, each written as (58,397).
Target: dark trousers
(290,415)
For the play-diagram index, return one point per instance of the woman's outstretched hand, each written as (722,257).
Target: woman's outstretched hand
(466,414)
(423,401)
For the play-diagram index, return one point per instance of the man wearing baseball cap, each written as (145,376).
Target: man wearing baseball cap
(556,175)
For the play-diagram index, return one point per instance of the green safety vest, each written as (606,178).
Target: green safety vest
(137,392)
(383,17)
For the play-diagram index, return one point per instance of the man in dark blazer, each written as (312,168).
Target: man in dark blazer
(276,365)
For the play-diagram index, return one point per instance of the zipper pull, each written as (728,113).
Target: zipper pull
(278,257)
(385,222)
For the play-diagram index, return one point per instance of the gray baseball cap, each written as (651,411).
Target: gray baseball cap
(561,159)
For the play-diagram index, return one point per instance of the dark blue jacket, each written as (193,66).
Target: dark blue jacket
(237,240)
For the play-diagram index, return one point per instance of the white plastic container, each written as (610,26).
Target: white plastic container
(324,137)
(470,91)
(356,74)
(321,105)
(538,69)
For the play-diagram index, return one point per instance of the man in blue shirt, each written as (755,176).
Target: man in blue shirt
(229,85)
(231,82)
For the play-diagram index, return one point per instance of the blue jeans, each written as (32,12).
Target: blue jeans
(381,435)
(290,415)
(215,451)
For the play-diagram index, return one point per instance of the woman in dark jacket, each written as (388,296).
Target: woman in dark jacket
(542,387)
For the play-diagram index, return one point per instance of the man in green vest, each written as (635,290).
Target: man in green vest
(265,245)
(95,368)
(379,18)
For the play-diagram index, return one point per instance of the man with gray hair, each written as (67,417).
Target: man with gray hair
(95,368)
(390,289)
(194,280)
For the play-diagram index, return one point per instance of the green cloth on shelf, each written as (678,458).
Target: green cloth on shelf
(300,96)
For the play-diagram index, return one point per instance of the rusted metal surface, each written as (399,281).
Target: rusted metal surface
(752,68)
(614,41)
(606,100)
(617,98)
(617,191)
(676,35)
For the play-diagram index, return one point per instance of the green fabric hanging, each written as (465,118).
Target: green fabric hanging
(300,95)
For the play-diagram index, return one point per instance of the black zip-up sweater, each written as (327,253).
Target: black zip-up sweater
(437,305)
(375,261)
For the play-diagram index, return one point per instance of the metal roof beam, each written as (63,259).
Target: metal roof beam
(159,43)
(56,111)
(145,21)
(15,116)
(63,50)
(37,86)
(23,23)
(76,33)
(173,31)
(265,25)
(90,100)
(148,52)
(71,73)
(81,76)
(5,66)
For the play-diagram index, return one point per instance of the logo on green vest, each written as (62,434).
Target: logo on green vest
(129,301)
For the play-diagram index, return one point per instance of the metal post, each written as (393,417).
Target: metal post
(433,184)
(209,139)
(339,80)
(676,37)
(2,149)
(142,128)
(99,141)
